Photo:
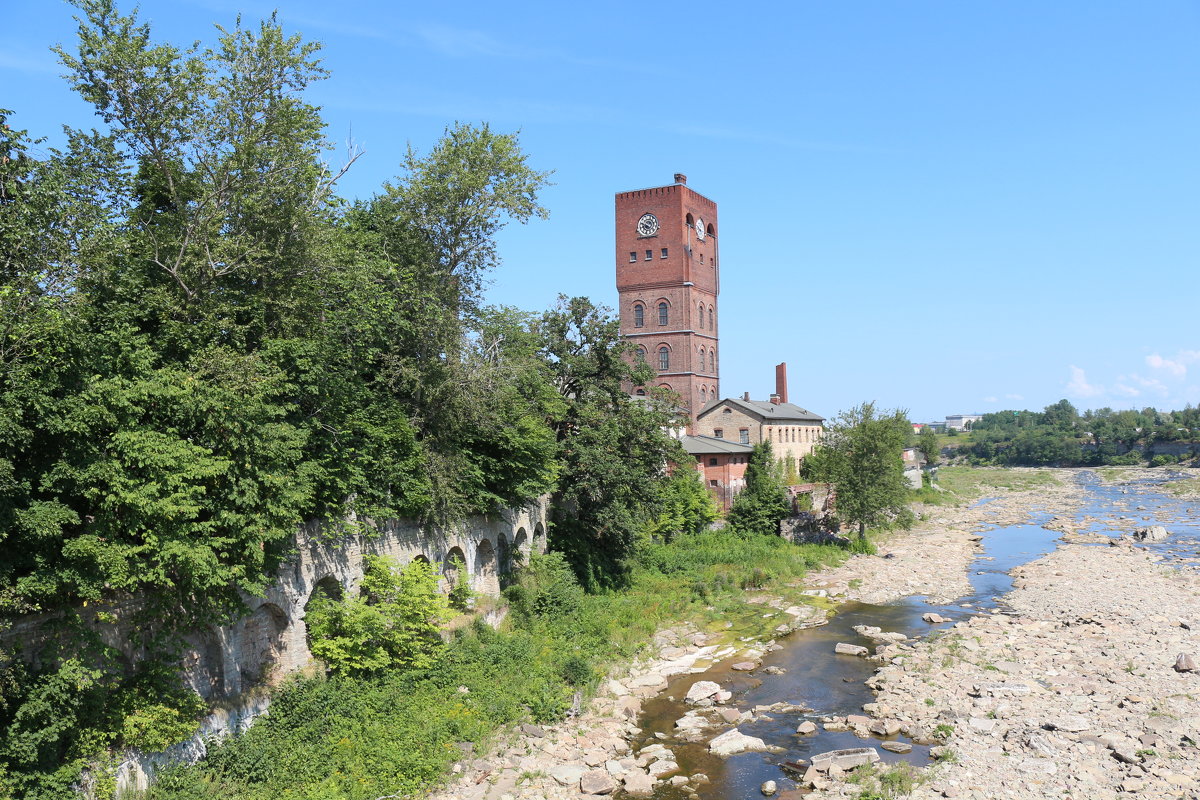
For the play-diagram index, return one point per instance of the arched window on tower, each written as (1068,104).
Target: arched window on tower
(710,318)
(639,315)
(703,396)
(641,355)
(700,324)
(712,361)
(701,360)
(663,316)
(664,358)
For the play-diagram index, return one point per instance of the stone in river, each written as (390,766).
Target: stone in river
(733,742)
(897,747)
(850,649)
(843,760)
(769,788)
(702,690)
(744,666)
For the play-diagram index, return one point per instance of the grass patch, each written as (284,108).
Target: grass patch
(359,738)
(1187,487)
(975,482)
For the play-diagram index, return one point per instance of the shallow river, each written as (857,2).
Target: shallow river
(833,685)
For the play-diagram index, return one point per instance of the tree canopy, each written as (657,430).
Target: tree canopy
(862,454)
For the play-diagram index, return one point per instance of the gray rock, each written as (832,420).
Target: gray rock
(934,619)
(844,649)
(769,788)
(567,774)
(1154,533)
(897,747)
(1185,663)
(1071,724)
(807,727)
(702,690)
(842,760)
(597,781)
(638,784)
(734,741)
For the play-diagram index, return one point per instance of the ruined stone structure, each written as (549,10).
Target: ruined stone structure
(668,278)
(272,640)
(223,663)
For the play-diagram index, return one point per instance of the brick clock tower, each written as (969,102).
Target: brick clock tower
(668,277)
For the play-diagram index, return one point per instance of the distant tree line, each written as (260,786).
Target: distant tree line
(1061,436)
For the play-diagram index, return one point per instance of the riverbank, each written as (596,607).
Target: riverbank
(595,753)
(1074,692)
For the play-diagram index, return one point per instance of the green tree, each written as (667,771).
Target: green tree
(395,623)
(862,454)
(613,451)
(927,442)
(684,506)
(763,502)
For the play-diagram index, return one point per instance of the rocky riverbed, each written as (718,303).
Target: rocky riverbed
(1076,690)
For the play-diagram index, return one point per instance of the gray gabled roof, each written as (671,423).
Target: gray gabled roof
(706,445)
(784,412)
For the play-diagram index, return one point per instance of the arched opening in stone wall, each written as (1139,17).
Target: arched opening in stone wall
(521,547)
(487,569)
(504,561)
(454,569)
(204,666)
(262,642)
(539,539)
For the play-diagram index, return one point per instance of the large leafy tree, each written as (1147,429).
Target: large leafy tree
(613,450)
(862,454)
(763,502)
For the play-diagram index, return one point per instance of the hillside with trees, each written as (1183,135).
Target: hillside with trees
(1059,435)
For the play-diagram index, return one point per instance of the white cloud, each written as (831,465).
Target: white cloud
(1126,390)
(1014,397)
(1177,365)
(1079,386)
(990,400)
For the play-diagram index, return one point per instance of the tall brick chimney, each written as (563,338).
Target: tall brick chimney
(746,396)
(781,382)
(681,178)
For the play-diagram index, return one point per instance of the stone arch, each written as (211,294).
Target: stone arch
(710,229)
(454,569)
(504,560)
(521,544)
(539,538)
(328,586)
(420,557)
(487,568)
(691,221)
(262,642)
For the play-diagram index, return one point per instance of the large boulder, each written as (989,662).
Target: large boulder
(597,781)
(734,741)
(846,759)
(702,690)
(1154,533)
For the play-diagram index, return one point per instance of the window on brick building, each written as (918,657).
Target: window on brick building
(664,253)
(710,318)
(649,255)
(641,354)
(713,483)
(639,315)
(662,314)
(664,358)
(712,361)
(718,433)
(632,256)
(712,462)
(744,435)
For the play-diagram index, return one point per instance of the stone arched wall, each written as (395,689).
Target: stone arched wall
(486,579)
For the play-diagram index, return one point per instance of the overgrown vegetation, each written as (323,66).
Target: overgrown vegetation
(861,452)
(975,482)
(202,345)
(357,737)
(763,502)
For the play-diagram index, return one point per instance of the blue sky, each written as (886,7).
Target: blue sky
(946,207)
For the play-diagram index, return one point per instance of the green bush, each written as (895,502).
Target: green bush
(1163,460)
(396,623)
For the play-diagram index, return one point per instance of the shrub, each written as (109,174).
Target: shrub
(395,624)
(547,587)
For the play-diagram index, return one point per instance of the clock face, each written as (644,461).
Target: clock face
(699,229)
(647,225)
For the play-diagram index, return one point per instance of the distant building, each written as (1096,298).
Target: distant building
(721,463)
(793,431)
(962,422)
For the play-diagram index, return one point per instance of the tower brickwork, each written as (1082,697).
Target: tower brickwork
(668,278)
